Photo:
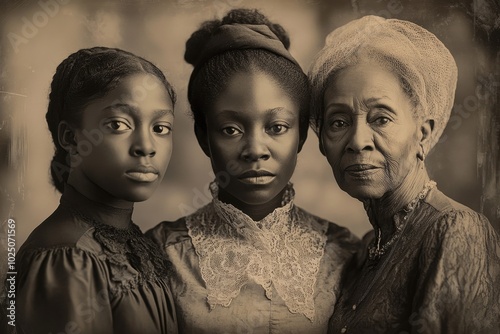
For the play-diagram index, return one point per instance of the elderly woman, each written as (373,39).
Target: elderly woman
(382,94)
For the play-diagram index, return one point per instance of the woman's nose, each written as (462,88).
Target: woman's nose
(360,138)
(143,145)
(255,148)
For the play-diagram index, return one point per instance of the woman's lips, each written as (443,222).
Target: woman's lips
(361,170)
(143,174)
(257,177)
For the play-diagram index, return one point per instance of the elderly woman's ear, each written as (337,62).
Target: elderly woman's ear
(426,130)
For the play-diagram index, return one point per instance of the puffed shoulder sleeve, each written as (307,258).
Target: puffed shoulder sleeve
(62,290)
(168,233)
(459,291)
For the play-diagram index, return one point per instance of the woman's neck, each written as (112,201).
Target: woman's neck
(382,210)
(255,211)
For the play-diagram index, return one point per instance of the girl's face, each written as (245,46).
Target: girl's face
(370,136)
(253,138)
(124,143)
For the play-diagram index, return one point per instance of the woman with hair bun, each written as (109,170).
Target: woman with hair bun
(88,268)
(251,261)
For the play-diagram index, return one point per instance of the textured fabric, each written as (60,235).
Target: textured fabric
(76,275)
(441,276)
(425,67)
(233,275)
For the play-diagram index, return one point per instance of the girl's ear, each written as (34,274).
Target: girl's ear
(426,130)
(66,137)
(201,136)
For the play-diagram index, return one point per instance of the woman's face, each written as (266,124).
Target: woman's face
(369,134)
(124,143)
(253,138)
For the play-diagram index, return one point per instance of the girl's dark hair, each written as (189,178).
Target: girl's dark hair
(213,75)
(86,75)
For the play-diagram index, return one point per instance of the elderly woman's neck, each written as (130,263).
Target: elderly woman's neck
(381,211)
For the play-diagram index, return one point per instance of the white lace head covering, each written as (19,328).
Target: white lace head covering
(425,67)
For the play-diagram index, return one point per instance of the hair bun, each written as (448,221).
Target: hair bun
(196,43)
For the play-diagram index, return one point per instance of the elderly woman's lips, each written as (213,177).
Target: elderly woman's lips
(361,170)
(359,167)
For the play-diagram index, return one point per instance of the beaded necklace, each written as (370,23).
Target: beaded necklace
(376,250)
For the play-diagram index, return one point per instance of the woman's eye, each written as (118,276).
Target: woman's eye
(231,131)
(339,124)
(382,120)
(278,129)
(118,126)
(162,129)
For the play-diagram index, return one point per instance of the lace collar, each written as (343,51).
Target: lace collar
(124,247)
(281,252)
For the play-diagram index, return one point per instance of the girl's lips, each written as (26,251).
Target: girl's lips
(142,177)
(143,174)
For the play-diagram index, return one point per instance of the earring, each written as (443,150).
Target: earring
(421,155)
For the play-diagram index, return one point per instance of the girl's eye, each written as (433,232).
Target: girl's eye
(278,129)
(118,126)
(231,131)
(162,129)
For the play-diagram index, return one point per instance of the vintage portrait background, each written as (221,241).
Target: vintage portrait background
(37,35)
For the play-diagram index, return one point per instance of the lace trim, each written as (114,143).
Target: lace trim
(283,250)
(133,258)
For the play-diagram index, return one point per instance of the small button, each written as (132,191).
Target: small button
(354,307)
(343,330)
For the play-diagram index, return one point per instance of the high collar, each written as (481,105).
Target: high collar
(239,220)
(98,212)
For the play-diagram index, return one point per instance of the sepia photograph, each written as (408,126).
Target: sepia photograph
(249,166)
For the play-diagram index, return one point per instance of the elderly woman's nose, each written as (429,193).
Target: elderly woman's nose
(360,138)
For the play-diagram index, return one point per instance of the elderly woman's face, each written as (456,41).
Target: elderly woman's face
(369,134)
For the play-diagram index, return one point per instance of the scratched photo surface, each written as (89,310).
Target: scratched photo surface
(37,35)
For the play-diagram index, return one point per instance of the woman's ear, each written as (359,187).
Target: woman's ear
(202,137)
(67,137)
(426,130)
(321,146)
(302,140)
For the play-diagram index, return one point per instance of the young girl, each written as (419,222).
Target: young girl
(251,261)
(87,268)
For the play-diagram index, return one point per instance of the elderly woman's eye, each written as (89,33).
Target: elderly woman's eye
(382,120)
(339,124)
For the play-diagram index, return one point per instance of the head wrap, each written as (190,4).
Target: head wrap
(424,66)
(230,37)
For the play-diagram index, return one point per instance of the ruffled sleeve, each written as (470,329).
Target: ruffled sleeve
(62,290)
(452,297)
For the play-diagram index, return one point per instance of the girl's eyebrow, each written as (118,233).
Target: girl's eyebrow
(133,111)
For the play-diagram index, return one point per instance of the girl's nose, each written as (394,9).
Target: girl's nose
(255,148)
(143,145)
(360,138)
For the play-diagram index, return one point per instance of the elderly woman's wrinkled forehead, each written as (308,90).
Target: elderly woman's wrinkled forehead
(424,66)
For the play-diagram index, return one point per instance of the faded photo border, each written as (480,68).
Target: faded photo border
(36,35)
